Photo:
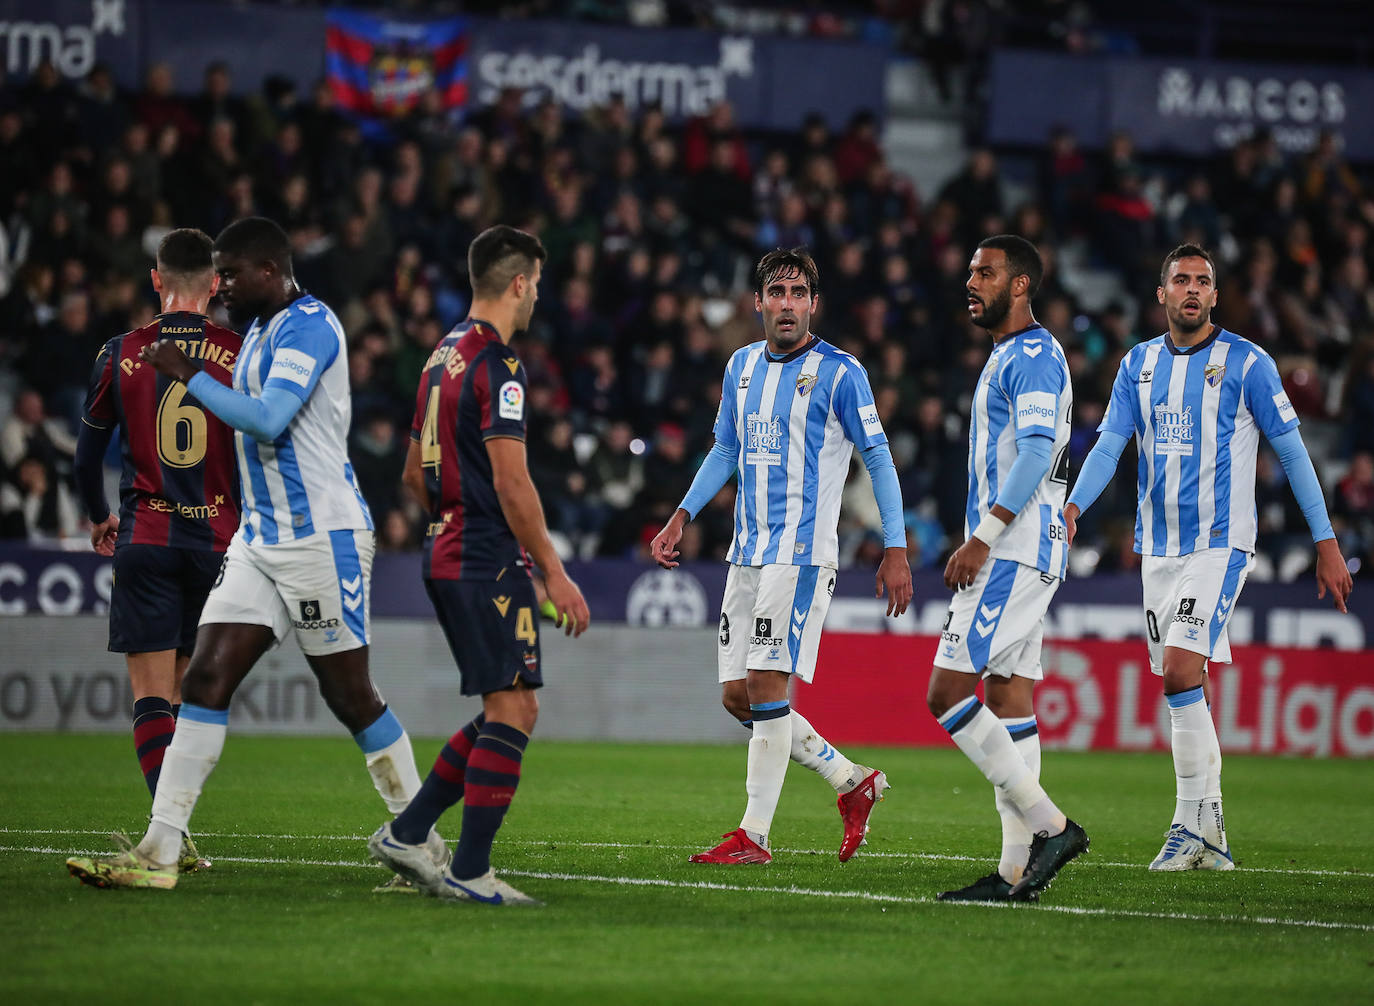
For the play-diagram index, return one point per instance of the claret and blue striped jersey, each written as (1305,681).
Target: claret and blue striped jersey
(302,482)
(1196,415)
(793,422)
(1023,391)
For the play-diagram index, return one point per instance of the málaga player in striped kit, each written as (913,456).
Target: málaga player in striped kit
(1007,571)
(301,559)
(1196,399)
(793,408)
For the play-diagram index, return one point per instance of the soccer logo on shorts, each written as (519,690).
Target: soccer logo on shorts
(310,611)
(763,626)
(1186,605)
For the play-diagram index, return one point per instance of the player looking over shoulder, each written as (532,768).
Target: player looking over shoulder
(302,556)
(793,408)
(467,465)
(1196,400)
(178,495)
(1007,571)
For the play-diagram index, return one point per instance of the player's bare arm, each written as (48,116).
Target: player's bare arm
(894,576)
(969,557)
(663,549)
(167,358)
(1071,521)
(520,504)
(1332,574)
(103,535)
(413,477)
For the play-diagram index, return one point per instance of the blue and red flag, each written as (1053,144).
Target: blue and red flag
(379,68)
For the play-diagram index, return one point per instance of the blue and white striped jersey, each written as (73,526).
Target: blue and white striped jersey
(1196,415)
(302,482)
(793,423)
(1024,391)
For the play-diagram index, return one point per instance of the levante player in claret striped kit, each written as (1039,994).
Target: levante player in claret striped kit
(1196,400)
(178,494)
(467,465)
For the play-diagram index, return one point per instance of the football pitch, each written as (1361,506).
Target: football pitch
(602,833)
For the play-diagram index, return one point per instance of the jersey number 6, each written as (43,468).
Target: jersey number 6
(181,430)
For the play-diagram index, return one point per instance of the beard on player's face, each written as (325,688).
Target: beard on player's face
(795,334)
(995,310)
(1188,322)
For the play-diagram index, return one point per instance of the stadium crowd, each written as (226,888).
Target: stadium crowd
(651,229)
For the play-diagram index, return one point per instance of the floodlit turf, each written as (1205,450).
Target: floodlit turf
(602,833)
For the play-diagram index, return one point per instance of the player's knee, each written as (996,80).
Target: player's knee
(204,690)
(1183,670)
(734,696)
(947,689)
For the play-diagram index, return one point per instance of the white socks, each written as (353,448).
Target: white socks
(769,751)
(1197,766)
(983,738)
(190,759)
(811,750)
(390,760)
(1016,837)
(394,774)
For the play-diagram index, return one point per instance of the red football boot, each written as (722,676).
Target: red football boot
(855,806)
(737,848)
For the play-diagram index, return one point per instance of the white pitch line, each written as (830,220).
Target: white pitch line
(909,900)
(791,889)
(867,854)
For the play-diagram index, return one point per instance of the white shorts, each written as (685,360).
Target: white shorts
(771,618)
(1189,600)
(996,625)
(320,585)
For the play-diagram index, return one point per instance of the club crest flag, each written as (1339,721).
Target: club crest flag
(378,68)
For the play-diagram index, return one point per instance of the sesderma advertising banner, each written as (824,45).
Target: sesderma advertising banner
(378,64)
(772,83)
(1179,106)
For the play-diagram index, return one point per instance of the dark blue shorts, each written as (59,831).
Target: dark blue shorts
(492,628)
(157,595)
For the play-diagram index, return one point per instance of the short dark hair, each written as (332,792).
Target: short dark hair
(1186,251)
(184,252)
(258,240)
(1023,259)
(783,261)
(498,255)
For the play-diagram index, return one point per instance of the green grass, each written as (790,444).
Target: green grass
(287,913)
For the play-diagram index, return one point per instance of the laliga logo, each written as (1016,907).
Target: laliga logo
(1068,696)
(510,395)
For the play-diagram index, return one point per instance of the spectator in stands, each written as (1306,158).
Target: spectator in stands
(37,507)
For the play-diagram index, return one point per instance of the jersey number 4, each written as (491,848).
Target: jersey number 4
(430,451)
(181,430)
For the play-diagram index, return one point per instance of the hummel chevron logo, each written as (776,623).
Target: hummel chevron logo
(990,613)
(799,614)
(985,628)
(1033,351)
(351,586)
(352,602)
(1224,606)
